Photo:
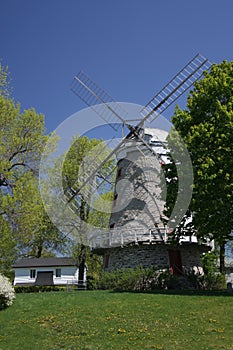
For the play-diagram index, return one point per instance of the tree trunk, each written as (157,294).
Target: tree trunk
(222,257)
(39,251)
(82,263)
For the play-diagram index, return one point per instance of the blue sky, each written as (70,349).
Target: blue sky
(130,47)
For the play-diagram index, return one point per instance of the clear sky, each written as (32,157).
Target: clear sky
(130,47)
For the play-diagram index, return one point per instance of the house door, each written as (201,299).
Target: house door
(175,262)
(44,278)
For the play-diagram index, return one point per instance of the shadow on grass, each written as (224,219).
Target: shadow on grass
(205,293)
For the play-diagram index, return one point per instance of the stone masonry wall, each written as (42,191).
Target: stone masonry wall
(148,255)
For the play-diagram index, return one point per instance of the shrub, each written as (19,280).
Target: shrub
(37,289)
(123,279)
(7,293)
(214,281)
(138,279)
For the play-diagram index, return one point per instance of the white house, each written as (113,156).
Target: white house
(229,269)
(47,271)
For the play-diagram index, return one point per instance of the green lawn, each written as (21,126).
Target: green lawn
(106,320)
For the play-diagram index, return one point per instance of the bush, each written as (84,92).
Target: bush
(138,279)
(37,289)
(7,293)
(214,281)
(149,279)
(123,279)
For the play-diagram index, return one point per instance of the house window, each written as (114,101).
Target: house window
(111,226)
(32,273)
(58,272)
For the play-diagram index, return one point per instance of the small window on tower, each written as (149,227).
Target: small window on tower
(112,225)
(119,173)
(114,199)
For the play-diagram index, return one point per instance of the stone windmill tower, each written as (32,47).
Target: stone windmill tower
(136,234)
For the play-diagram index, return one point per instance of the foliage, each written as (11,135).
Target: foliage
(212,279)
(99,216)
(26,228)
(118,321)
(38,289)
(149,279)
(210,262)
(5,89)
(138,279)
(79,161)
(93,262)
(206,126)
(91,208)
(7,293)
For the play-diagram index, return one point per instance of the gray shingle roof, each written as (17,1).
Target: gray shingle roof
(46,262)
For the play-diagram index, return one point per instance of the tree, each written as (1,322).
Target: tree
(5,88)
(89,208)
(25,226)
(206,126)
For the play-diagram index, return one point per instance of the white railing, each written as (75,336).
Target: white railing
(122,236)
(76,284)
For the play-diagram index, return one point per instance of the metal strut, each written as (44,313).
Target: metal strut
(109,110)
(99,100)
(181,82)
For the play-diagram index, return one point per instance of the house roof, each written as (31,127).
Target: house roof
(44,262)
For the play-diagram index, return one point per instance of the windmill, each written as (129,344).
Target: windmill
(135,223)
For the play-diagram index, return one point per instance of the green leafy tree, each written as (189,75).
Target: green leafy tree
(206,126)
(5,88)
(100,216)
(79,160)
(25,226)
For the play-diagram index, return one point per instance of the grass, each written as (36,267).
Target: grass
(105,320)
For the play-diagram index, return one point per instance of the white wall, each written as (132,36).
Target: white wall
(69,274)
(229,276)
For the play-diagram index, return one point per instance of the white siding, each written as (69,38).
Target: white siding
(229,275)
(69,274)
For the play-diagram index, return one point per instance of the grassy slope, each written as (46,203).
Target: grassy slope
(104,320)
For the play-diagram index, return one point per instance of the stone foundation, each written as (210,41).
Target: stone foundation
(148,255)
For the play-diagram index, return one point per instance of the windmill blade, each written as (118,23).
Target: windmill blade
(112,112)
(92,168)
(175,88)
(88,189)
(85,182)
(99,100)
(86,186)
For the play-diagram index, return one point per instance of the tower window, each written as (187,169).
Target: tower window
(119,173)
(114,199)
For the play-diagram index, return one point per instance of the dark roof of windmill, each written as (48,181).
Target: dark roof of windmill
(44,262)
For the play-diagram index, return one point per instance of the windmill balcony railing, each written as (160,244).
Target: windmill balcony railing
(119,237)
